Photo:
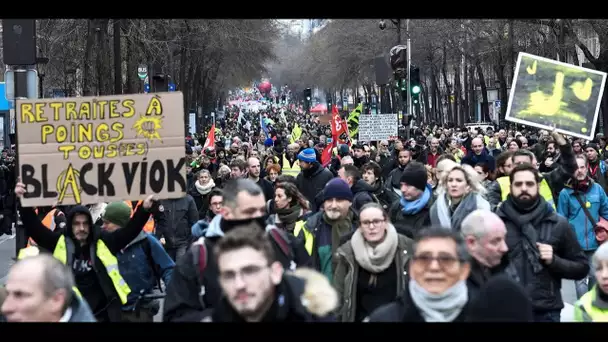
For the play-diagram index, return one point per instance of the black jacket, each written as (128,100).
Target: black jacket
(569,260)
(312,181)
(115,241)
(404,310)
(287,306)
(409,225)
(556,178)
(181,215)
(187,298)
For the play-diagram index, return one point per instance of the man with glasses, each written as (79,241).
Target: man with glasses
(437,289)
(256,288)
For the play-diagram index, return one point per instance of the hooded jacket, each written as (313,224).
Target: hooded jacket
(186,300)
(96,287)
(302,296)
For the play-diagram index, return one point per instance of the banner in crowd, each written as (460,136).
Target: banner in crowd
(548,93)
(101,149)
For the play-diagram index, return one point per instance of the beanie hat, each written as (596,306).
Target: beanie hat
(337,188)
(343,150)
(308,155)
(593,146)
(118,213)
(415,175)
(268,142)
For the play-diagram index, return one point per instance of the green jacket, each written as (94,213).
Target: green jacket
(347,271)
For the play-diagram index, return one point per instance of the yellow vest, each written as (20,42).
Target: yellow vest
(544,190)
(585,311)
(308,237)
(33,251)
(108,260)
(290,170)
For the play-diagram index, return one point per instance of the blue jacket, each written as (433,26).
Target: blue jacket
(135,267)
(484,157)
(569,208)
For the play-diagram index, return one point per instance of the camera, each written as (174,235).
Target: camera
(382,24)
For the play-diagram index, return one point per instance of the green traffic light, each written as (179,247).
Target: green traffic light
(415,89)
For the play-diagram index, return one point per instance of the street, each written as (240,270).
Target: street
(7,252)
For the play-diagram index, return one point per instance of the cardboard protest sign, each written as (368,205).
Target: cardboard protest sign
(548,93)
(101,149)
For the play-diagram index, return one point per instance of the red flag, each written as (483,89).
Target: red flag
(210,138)
(339,130)
(326,154)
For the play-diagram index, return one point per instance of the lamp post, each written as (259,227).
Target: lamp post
(41,63)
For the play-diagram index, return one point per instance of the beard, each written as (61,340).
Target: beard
(526,203)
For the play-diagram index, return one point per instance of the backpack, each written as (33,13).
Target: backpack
(147,247)
(200,258)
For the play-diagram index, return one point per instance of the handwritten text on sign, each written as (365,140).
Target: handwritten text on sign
(377,127)
(93,149)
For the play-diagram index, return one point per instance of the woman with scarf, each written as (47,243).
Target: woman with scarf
(460,194)
(200,191)
(290,206)
(444,162)
(371,267)
(582,189)
(437,289)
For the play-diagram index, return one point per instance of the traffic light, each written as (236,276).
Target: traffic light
(307,94)
(307,98)
(159,83)
(415,79)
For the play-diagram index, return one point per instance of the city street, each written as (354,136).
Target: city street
(7,251)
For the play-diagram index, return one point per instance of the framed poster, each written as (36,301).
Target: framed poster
(547,94)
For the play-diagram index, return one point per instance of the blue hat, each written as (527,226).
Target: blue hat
(268,142)
(337,188)
(308,155)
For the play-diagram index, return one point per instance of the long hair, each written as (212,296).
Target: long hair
(296,196)
(471,176)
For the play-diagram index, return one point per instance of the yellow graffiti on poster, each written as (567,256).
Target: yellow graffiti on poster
(548,93)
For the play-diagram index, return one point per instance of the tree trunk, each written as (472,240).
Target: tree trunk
(448,89)
(88,56)
(472,97)
(457,92)
(117,57)
(485,112)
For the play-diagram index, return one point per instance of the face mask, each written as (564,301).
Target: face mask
(227,225)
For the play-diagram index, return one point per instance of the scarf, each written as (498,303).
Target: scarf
(580,186)
(443,307)
(375,259)
(526,220)
(415,206)
(289,216)
(206,188)
(441,213)
(339,228)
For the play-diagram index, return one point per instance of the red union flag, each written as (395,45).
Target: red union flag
(339,129)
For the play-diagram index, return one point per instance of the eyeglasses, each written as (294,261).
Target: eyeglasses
(246,273)
(375,222)
(445,261)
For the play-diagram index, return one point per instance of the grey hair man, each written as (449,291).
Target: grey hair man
(485,237)
(40,289)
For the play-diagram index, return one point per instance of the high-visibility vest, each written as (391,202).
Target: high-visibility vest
(108,260)
(308,236)
(48,221)
(290,170)
(585,311)
(33,251)
(150,224)
(544,190)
